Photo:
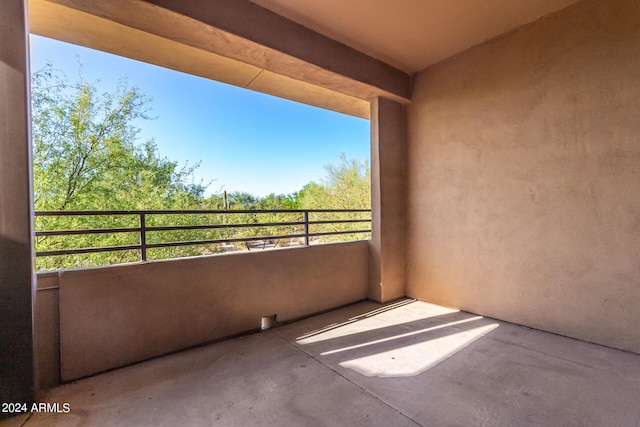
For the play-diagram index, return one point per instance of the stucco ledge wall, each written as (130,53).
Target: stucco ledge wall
(117,315)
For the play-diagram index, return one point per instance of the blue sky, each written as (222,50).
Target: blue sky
(244,140)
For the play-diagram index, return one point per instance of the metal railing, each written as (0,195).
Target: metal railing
(144,228)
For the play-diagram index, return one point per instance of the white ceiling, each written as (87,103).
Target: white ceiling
(412,34)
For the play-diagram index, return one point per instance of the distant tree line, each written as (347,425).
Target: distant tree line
(87,156)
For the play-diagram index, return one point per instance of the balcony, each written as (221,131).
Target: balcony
(154,306)
(504,182)
(406,363)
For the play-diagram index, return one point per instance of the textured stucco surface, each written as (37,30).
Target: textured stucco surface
(47,331)
(388,165)
(523,176)
(113,316)
(16,264)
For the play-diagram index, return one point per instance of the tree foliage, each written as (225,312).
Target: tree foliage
(346,186)
(87,155)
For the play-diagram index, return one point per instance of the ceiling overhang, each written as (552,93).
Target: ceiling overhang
(411,35)
(217,39)
(319,52)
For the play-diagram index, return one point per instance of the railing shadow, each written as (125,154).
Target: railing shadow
(380,347)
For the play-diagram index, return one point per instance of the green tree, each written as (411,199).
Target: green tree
(277,202)
(241,200)
(87,157)
(346,186)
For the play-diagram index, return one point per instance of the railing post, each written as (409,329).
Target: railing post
(143,237)
(306,228)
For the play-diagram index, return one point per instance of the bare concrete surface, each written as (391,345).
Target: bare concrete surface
(404,364)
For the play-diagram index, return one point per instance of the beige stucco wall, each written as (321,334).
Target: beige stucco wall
(17,376)
(113,316)
(388,165)
(47,331)
(524,176)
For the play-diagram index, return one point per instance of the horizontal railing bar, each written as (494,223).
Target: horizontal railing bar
(190,243)
(87,231)
(193,211)
(244,225)
(189,227)
(339,221)
(232,240)
(214,226)
(329,233)
(88,250)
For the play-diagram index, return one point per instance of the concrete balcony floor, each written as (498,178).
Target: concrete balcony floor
(405,364)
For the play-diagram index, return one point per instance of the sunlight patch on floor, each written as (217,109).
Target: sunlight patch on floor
(395,337)
(414,359)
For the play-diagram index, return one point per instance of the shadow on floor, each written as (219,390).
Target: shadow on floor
(367,365)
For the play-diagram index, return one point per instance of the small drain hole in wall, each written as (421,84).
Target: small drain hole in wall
(268,322)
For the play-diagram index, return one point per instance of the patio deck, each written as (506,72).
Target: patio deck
(405,364)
